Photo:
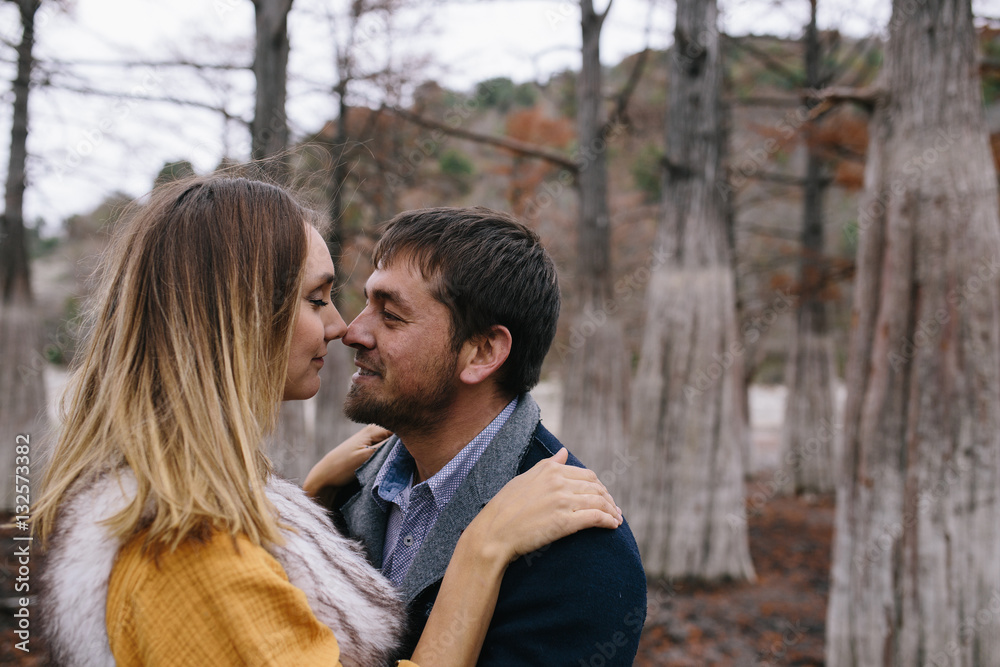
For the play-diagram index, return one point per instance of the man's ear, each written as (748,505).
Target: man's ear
(481,356)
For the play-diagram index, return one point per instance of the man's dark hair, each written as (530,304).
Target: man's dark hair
(488,269)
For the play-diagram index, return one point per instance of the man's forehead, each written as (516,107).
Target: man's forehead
(400,281)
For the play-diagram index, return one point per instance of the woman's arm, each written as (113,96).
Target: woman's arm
(550,501)
(339,464)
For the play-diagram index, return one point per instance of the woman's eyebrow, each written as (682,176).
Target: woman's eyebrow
(326,279)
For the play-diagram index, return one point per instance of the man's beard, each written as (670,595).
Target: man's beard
(416,411)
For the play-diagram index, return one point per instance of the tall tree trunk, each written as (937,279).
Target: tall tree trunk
(22,366)
(687,416)
(291,445)
(807,437)
(332,426)
(915,579)
(269,129)
(595,395)
(16,271)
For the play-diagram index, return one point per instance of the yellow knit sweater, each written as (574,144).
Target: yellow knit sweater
(221,602)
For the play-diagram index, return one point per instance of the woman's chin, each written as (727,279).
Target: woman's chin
(300,392)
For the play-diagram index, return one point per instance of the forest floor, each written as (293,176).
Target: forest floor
(778,620)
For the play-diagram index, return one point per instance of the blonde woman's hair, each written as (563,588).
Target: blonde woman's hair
(185,363)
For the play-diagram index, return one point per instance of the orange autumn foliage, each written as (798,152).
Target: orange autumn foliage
(526,174)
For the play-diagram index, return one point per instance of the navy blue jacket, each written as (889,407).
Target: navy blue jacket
(578,601)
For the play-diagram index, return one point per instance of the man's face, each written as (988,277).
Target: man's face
(407,369)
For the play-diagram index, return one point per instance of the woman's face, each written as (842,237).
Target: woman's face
(317,322)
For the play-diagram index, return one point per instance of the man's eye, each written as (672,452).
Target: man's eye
(389,316)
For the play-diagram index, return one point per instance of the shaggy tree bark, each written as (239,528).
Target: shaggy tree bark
(332,425)
(22,366)
(269,128)
(807,437)
(686,505)
(915,579)
(291,445)
(595,394)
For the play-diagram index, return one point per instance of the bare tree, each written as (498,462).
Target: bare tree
(269,128)
(292,449)
(22,381)
(596,364)
(806,438)
(332,426)
(686,496)
(915,577)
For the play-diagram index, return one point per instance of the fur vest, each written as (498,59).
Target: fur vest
(344,591)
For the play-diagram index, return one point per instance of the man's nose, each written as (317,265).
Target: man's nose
(359,332)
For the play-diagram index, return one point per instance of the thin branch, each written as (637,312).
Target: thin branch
(769,61)
(784,179)
(765,101)
(619,116)
(603,15)
(149,98)
(138,63)
(861,49)
(519,147)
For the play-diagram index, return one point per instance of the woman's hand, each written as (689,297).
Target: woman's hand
(550,501)
(546,503)
(339,464)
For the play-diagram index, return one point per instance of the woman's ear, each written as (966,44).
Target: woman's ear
(481,356)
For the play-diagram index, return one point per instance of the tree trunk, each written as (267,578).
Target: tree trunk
(269,128)
(595,395)
(332,425)
(22,366)
(16,269)
(807,437)
(915,579)
(687,504)
(292,444)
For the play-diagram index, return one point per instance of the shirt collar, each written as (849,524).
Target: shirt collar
(394,476)
(396,473)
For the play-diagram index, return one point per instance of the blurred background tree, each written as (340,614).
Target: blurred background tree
(22,366)
(918,516)
(689,423)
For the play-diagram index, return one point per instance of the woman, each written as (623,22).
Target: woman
(169,540)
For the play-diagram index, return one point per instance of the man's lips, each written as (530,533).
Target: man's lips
(365,371)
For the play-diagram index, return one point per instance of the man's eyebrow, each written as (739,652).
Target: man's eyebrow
(383,294)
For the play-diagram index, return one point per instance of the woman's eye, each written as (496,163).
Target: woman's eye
(319,302)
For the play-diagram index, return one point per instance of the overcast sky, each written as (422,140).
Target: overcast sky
(83,146)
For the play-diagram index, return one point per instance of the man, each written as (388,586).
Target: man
(461,310)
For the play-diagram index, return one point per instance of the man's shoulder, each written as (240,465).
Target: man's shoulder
(543,445)
(589,550)
(584,588)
